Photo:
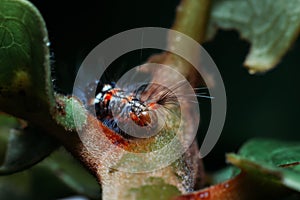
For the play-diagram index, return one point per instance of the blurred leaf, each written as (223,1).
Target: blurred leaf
(275,160)
(6,124)
(73,174)
(242,187)
(25,148)
(24,59)
(271,27)
(15,187)
(270,168)
(60,172)
(35,183)
(223,175)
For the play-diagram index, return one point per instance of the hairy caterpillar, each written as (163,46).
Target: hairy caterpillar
(145,105)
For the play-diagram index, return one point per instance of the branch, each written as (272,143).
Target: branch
(28,95)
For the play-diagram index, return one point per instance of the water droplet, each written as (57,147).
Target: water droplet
(178,39)
(251,71)
(204,195)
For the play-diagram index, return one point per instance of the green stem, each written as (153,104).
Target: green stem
(192,19)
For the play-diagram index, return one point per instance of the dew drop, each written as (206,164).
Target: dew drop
(204,195)
(178,39)
(251,71)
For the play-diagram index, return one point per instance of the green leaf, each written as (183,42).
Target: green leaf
(73,174)
(223,175)
(24,59)
(33,184)
(275,161)
(25,148)
(16,186)
(270,26)
(269,170)
(6,124)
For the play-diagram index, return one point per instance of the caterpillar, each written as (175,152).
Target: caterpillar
(127,104)
(144,105)
(115,106)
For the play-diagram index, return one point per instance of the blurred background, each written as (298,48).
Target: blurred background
(265,105)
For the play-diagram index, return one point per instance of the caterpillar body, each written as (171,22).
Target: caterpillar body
(145,105)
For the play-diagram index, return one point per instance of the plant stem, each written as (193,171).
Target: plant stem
(192,19)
